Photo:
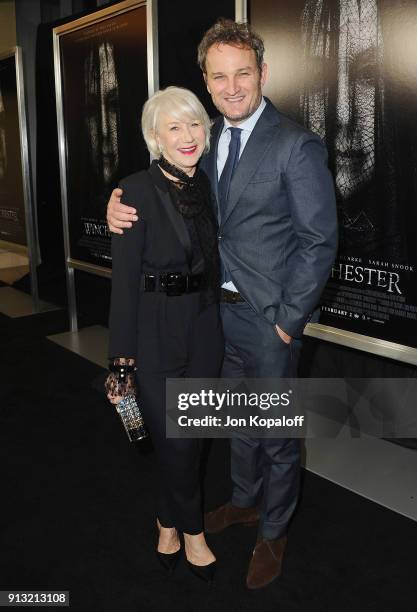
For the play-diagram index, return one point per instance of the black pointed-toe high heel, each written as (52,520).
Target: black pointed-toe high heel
(204,572)
(168,560)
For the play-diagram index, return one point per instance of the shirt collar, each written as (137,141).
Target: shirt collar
(250,122)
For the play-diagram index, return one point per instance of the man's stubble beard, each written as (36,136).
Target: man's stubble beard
(239,119)
(243,117)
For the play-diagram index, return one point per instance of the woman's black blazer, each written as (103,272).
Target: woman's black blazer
(158,242)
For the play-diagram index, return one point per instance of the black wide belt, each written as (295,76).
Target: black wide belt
(172,283)
(230,297)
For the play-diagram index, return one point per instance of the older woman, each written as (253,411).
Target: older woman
(164,306)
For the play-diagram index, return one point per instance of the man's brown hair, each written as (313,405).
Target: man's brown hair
(228,32)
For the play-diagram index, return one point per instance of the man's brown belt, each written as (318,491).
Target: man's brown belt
(230,297)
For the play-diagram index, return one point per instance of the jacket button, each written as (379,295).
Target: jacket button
(219,237)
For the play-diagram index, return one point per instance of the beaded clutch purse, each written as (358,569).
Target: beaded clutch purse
(132,418)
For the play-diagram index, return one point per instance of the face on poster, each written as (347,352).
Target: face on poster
(12,204)
(104,86)
(351,69)
(342,52)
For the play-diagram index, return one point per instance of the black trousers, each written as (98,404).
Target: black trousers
(176,340)
(263,470)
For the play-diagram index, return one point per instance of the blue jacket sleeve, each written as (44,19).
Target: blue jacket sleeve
(313,212)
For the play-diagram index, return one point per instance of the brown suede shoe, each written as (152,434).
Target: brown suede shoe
(266,562)
(227,515)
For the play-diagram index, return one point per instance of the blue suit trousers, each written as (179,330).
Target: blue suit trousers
(264,471)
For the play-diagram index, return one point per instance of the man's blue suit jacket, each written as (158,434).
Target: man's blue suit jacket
(278,236)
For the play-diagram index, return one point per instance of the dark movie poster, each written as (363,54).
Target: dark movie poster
(104,86)
(347,69)
(12,203)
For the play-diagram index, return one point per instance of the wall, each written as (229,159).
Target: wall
(7,25)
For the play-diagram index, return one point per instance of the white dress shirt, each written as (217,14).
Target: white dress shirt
(223,149)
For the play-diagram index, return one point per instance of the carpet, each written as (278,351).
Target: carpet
(77,510)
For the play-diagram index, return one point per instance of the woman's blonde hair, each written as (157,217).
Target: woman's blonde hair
(175,102)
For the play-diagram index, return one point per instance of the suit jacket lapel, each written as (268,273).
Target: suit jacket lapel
(211,166)
(177,222)
(174,216)
(252,155)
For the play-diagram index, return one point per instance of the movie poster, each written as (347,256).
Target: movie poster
(12,203)
(347,69)
(104,76)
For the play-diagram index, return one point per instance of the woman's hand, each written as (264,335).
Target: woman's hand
(121,380)
(111,386)
(119,215)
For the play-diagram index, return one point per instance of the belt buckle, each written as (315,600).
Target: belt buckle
(150,282)
(173,285)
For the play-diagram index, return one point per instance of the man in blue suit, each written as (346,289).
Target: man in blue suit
(275,202)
